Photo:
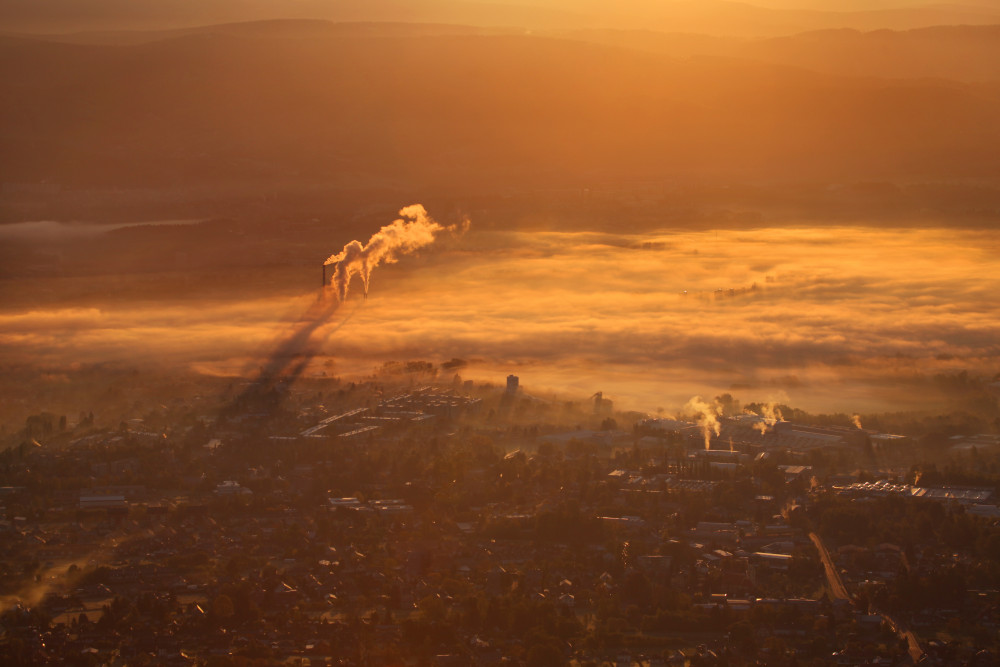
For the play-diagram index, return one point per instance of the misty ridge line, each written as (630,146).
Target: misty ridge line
(525,101)
(752,18)
(962,52)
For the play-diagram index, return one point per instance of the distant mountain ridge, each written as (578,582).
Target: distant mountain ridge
(268,29)
(386,102)
(963,53)
(718,17)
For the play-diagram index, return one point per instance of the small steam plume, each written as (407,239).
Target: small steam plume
(413,230)
(708,417)
(770,414)
(856,420)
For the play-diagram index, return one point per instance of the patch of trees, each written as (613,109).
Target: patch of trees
(905,522)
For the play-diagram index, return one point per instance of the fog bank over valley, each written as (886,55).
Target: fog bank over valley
(834,318)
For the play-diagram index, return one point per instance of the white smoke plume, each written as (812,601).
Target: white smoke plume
(770,414)
(856,420)
(708,417)
(413,230)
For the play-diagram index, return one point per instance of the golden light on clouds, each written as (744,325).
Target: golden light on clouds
(836,317)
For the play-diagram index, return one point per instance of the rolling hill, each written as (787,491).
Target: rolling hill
(413,104)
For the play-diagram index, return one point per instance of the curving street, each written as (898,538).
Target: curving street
(839,591)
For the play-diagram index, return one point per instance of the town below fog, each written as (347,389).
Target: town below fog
(415,518)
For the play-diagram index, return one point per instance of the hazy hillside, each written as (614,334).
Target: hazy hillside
(358,103)
(271,29)
(747,19)
(967,53)
(719,17)
(964,53)
(75,15)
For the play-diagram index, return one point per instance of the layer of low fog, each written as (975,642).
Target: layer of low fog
(841,318)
